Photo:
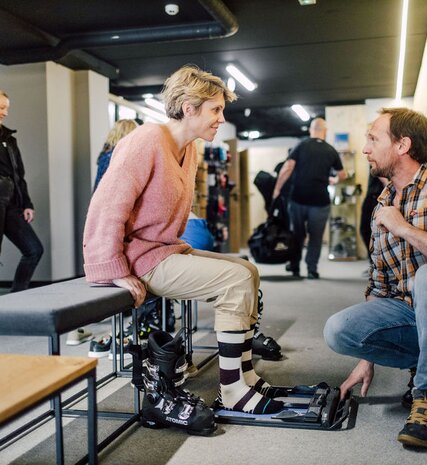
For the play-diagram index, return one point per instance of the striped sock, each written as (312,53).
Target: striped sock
(251,378)
(234,393)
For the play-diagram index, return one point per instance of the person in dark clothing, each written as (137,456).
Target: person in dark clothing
(375,187)
(16,208)
(310,164)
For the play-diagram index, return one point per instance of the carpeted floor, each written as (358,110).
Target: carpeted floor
(295,313)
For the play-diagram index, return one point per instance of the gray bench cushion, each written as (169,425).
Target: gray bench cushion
(59,308)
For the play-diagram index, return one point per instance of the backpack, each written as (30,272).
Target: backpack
(271,244)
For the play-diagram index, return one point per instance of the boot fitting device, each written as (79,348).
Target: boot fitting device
(264,346)
(305,407)
(158,369)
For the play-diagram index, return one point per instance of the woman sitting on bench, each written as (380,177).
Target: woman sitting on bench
(139,211)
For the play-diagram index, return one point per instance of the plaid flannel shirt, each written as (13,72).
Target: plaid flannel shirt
(394,260)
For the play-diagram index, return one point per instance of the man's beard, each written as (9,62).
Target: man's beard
(383,171)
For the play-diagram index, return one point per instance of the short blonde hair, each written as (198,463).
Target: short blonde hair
(121,128)
(193,85)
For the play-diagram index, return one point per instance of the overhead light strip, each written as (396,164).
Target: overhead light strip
(402,51)
(241,78)
(301,112)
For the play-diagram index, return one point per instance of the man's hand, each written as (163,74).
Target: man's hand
(135,286)
(391,219)
(361,374)
(28,215)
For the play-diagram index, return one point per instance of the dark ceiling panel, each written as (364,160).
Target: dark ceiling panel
(336,52)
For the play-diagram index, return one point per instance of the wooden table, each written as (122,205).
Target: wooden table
(28,380)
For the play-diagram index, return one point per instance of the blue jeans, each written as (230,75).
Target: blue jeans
(312,220)
(22,235)
(388,332)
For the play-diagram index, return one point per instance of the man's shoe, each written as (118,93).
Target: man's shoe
(78,336)
(100,347)
(407,397)
(291,268)
(313,275)
(414,433)
(127,341)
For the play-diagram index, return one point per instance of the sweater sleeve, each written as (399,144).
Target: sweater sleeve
(111,208)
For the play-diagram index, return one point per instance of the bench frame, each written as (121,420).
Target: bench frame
(118,370)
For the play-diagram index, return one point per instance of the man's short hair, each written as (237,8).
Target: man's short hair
(409,123)
(3,94)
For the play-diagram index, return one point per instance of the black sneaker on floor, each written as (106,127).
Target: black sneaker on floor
(407,397)
(414,433)
(313,275)
(100,347)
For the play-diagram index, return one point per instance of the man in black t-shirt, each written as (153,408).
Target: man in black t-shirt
(310,165)
(16,208)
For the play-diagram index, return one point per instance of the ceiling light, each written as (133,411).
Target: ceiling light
(307,2)
(115,37)
(152,102)
(253,134)
(301,112)
(172,9)
(241,78)
(231,84)
(155,114)
(401,66)
(247,112)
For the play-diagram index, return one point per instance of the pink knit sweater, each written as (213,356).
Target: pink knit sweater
(140,207)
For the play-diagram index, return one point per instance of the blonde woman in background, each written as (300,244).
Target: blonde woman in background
(121,128)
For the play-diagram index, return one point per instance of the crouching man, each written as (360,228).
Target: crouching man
(390,328)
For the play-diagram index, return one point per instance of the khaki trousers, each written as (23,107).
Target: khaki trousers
(231,282)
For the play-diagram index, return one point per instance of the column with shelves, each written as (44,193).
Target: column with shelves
(343,219)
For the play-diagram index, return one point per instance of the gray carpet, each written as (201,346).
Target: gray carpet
(295,312)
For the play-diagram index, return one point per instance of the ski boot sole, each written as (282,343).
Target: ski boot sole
(156,424)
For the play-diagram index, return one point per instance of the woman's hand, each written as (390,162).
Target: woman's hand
(28,215)
(134,286)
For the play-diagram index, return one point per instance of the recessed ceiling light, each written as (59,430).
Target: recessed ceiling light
(307,2)
(172,9)
(253,134)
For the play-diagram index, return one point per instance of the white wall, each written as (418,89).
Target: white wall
(420,96)
(60,130)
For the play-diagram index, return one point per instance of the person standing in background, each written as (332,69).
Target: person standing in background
(310,163)
(16,208)
(375,187)
(121,128)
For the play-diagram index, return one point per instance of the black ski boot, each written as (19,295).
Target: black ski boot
(264,346)
(165,403)
(407,397)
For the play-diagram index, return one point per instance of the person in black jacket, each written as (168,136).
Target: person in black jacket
(16,208)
